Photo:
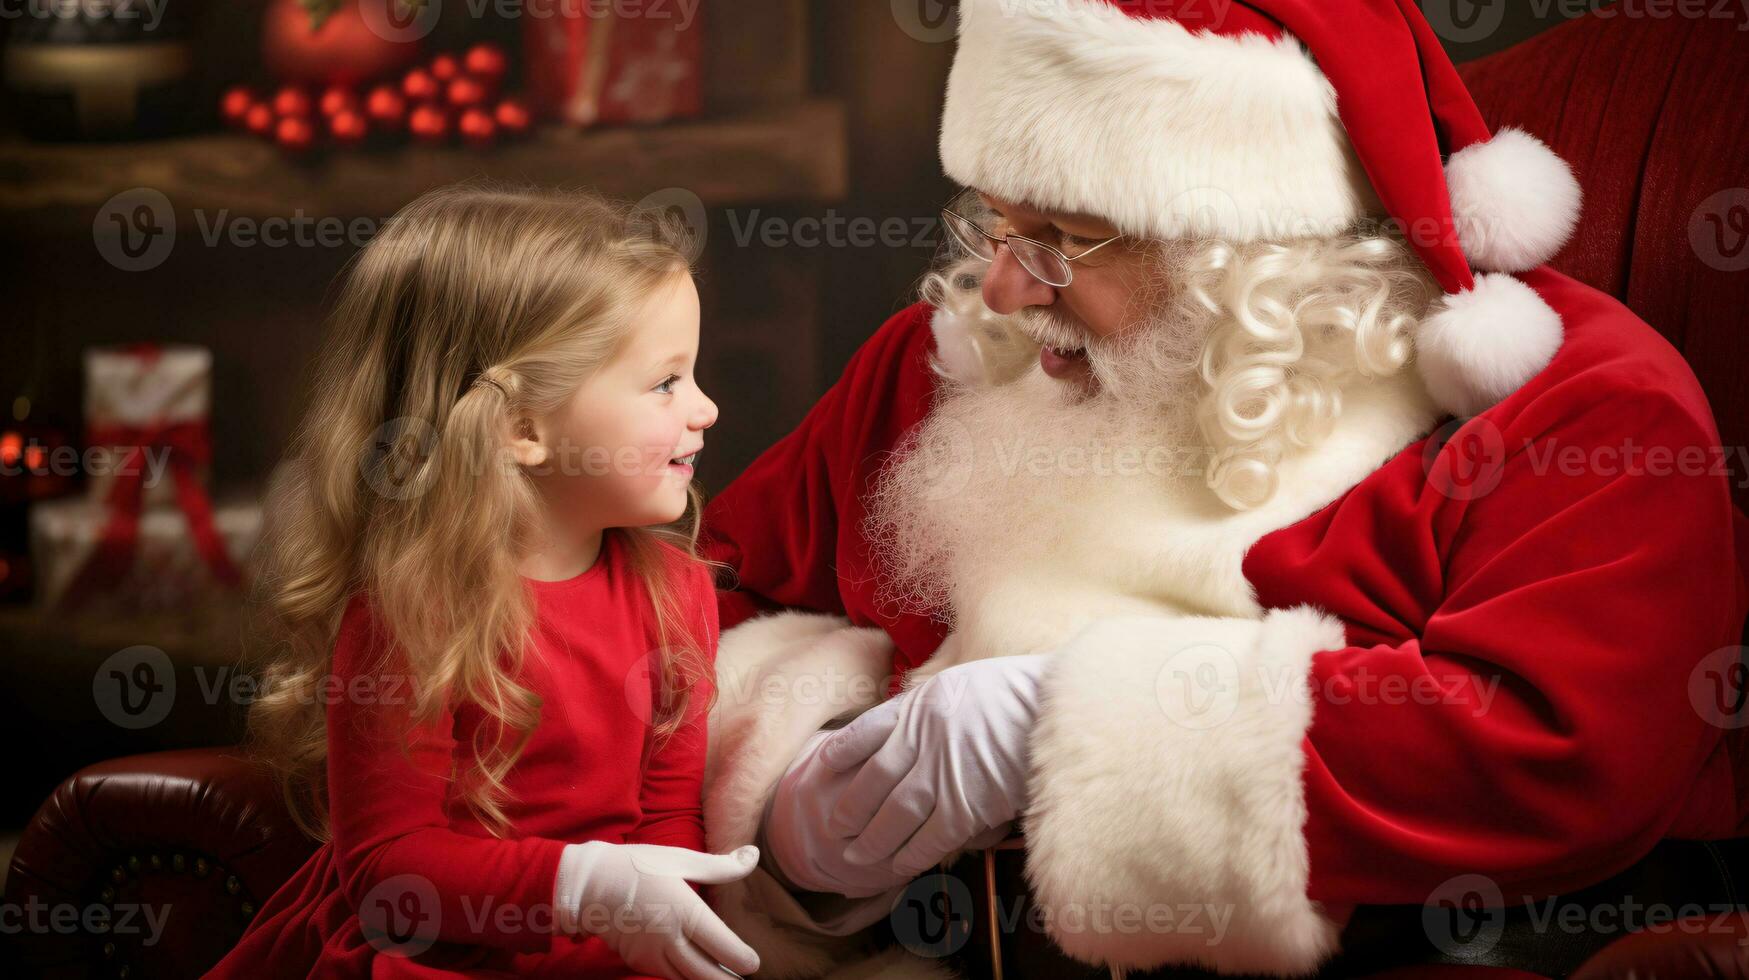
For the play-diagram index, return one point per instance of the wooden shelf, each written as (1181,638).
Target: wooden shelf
(792,153)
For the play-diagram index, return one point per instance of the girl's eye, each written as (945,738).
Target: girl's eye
(667,385)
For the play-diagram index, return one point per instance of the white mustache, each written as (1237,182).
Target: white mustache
(1048,331)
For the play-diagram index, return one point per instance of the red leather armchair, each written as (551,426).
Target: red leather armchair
(1640,105)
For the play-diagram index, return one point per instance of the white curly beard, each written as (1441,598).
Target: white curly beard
(1017,512)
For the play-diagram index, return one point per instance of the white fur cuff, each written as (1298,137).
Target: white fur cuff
(780,679)
(1167,767)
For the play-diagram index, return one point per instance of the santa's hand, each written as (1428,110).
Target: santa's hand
(795,836)
(951,767)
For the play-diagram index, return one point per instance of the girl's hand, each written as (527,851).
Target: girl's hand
(636,898)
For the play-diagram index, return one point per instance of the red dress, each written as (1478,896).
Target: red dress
(411,883)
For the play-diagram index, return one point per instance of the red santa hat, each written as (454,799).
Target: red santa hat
(1272,119)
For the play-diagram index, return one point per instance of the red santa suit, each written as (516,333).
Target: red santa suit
(1491,646)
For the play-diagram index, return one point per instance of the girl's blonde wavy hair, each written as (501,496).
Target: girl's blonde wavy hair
(475,306)
(1276,330)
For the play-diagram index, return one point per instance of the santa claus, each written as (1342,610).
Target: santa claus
(1202,522)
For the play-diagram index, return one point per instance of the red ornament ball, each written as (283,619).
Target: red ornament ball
(292,101)
(385,107)
(465,92)
(428,124)
(234,105)
(445,67)
(259,119)
(348,127)
(336,99)
(477,127)
(294,134)
(487,63)
(418,85)
(512,118)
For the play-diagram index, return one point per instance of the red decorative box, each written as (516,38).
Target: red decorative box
(588,66)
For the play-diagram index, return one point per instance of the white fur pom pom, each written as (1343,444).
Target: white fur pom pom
(1484,343)
(1514,200)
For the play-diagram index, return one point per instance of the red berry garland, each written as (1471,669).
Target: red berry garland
(234,105)
(428,124)
(386,107)
(454,96)
(291,101)
(347,127)
(294,133)
(336,99)
(487,63)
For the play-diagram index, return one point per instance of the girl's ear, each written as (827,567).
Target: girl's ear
(527,443)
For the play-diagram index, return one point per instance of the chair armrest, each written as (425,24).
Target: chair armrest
(1707,946)
(152,862)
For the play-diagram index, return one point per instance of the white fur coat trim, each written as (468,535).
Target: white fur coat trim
(1072,105)
(1167,772)
(780,679)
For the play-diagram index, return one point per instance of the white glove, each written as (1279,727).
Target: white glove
(946,764)
(636,898)
(806,853)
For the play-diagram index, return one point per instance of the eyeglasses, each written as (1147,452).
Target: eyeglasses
(1046,264)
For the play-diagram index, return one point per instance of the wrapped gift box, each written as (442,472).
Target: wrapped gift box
(588,67)
(156,398)
(166,571)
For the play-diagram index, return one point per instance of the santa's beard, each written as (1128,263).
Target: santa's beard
(1002,478)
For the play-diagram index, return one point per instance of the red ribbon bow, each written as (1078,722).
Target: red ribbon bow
(189,447)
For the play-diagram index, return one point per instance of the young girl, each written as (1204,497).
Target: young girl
(493,645)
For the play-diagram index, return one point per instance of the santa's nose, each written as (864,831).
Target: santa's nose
(1009,288)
